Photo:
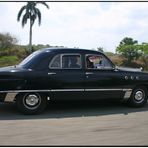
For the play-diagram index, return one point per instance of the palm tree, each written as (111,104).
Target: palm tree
(31,12)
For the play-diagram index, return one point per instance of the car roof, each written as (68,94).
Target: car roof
(70,50)
(74,50)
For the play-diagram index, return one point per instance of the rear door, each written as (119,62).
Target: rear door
(66,77)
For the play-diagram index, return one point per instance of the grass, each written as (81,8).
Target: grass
(8,61)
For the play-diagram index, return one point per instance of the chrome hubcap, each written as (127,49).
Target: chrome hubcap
(139,96)
(32,101)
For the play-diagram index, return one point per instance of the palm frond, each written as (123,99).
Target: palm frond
(38,13)
(32,12)
(20,13)
(24,19)
(44,3)
(33,17)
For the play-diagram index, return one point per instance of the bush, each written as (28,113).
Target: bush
(117,59)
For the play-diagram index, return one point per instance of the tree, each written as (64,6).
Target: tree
(31,12)
(100,49)
(7,41)
(144,57)
(128,41)
(130,49)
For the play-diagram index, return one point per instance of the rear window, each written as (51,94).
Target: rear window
(37,60)
(66,61)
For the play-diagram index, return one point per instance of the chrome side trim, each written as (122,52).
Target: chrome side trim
(127,89)
(10,97)
(11,94)
(17,91)
(103,89)
(127,94)
(56,90)
(62,90)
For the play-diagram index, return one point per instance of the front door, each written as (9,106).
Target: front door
(101,80)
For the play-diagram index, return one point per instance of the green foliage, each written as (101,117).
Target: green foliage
(130,49)
(131,52)
(109,53)
(7,41)
(8,61)
(144,60)
(128,41)
(12,54)
(40,46)
(144,48)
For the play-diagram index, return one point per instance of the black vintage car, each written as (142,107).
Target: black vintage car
(63,73)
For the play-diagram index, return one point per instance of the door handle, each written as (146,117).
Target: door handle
(51,73)
(89,73)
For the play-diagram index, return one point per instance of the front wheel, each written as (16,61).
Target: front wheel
(139,97)
(31,103)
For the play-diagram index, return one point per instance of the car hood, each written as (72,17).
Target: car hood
(130,69)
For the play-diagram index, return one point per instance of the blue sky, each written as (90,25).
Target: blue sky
(85,25)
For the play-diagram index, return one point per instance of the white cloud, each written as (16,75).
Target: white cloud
(85,25)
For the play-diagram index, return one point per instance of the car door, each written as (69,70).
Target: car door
(101,79)
(66,77)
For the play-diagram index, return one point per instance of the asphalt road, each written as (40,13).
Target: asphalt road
(75,124)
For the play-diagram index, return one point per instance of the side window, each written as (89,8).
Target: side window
(97,62)
(55,63)
(67,61)
(71,61)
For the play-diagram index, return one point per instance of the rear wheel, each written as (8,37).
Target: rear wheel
(31,103)
(139,97)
